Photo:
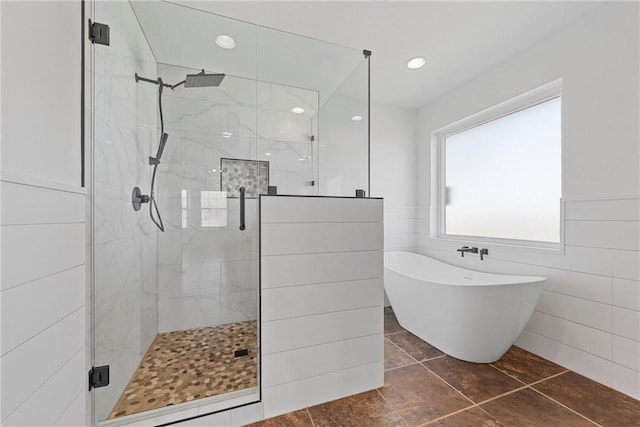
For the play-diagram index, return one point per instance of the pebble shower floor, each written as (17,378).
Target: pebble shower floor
(181,366)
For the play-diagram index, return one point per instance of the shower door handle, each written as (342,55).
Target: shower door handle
(242,191)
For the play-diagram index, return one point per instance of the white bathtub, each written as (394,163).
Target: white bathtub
(467,314)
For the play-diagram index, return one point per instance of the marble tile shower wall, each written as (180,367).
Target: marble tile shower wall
(207,267)
(124,240)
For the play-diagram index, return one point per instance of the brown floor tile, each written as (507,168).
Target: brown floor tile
(292,419)
(364,409)
(391,325)
(413,345)
(528,408)
(474,417)
(419,396)
(394,357)
(477,381)
(595,401)
(525,366)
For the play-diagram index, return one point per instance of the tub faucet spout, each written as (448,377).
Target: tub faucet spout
(464,249)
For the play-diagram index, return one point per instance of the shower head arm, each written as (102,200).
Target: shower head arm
(177,84)
(155,82)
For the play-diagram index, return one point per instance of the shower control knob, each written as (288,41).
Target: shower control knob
(137,198)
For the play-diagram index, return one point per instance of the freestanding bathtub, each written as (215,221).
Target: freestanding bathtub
(467,314)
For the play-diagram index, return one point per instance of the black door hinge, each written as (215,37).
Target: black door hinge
(99,377)
(98,33)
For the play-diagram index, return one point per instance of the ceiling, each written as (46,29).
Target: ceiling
(458,39)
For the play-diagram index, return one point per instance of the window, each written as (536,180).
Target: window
(213,208)
(499,174)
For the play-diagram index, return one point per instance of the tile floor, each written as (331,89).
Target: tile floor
(424,387)
(181,366)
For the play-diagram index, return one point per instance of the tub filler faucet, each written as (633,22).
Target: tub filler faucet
(464,249)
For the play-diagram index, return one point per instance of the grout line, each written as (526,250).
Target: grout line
(449,415)
(573,321)
(433,358)
(310,417)
(42,277)
(39,333)
(43,223)
(300,254)
(320,314)
(320,344)
(603,248)
(43,382)
(67,407)
(403,366)
(515,390)
(395,411)
(447,383)
(316,283)
(549,377)
(401,349)
(507,374)
(565,406)
(571,346)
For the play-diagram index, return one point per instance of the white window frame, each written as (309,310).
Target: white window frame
(437,226)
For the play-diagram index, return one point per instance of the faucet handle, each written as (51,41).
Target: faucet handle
(462,250)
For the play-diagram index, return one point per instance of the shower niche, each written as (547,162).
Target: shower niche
(176,313)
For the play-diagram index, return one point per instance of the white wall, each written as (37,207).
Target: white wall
(393,172)
(43,217)
(124,241)
(588,316)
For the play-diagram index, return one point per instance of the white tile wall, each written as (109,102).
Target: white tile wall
(35,306)
(303,269)
(588,313)
(322,306)
(321,237)
(42,295)
(289,334)
(58,250)
(296,301)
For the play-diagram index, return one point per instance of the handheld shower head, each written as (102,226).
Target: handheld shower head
(203,80)
(163,142)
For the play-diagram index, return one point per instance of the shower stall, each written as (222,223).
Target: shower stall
(194,116)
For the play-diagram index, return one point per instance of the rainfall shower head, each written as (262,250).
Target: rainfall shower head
(203,80)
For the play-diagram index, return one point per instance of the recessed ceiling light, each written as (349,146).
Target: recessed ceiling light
(267,153)
(225,41)
(297,110)
(356,118)
(415,63)
(226,134)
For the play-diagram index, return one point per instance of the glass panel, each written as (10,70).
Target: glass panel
(312,86)
(343,129)
(503,177)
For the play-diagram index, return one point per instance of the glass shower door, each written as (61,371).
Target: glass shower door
(175,310)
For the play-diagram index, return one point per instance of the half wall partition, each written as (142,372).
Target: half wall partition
(176,307)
